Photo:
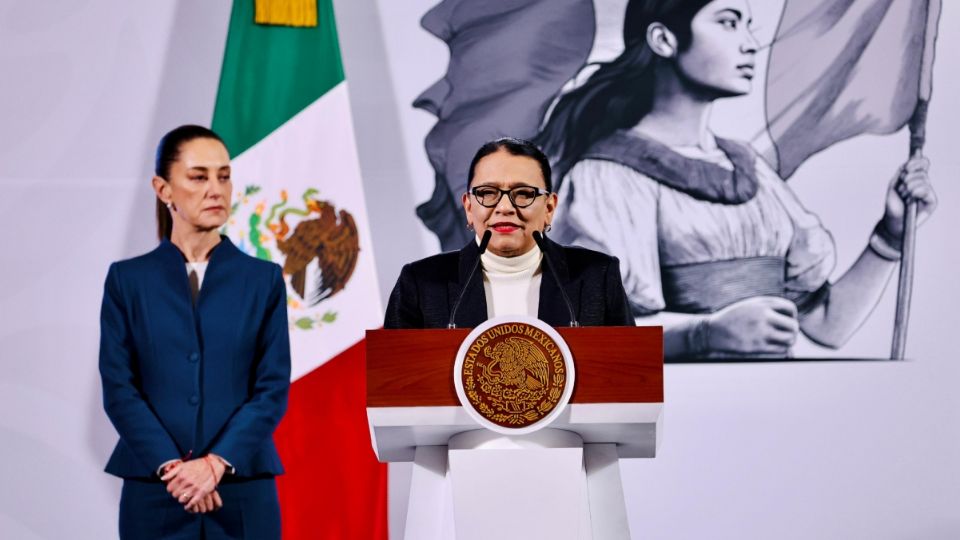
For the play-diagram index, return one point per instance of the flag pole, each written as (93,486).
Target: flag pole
(905,283)
(918,124)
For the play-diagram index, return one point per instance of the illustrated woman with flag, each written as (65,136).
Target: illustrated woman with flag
(715,246)
(195,362)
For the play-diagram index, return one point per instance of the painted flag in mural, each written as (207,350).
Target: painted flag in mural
(283,110)
(525,50)
(838,69)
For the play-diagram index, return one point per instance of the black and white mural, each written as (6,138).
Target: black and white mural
(676,128)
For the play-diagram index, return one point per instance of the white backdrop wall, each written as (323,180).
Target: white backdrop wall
(782,450)
(87,89)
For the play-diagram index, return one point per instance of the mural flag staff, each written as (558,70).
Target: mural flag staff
(918,124)
(835,74)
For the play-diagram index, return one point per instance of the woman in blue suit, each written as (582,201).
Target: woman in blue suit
(195,362)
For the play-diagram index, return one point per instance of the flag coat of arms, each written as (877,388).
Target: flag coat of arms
(283,110)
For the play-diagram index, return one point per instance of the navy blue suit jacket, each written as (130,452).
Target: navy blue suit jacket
(427,289)
(181,378)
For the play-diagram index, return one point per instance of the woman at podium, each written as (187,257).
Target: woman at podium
(195,362)
(509,204)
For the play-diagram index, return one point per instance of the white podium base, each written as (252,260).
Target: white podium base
(544,485)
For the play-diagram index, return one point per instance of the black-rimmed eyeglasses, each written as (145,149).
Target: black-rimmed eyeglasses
(520,196)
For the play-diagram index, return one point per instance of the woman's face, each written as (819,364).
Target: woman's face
(721,55)
(199,185)
(512,227)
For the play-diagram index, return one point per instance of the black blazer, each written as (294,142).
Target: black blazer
(427,289)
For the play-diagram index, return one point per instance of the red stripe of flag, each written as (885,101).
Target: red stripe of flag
(334,487)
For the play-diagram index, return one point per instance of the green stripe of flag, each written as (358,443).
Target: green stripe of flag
(270,73)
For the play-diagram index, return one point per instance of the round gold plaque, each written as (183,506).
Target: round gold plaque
(514,373)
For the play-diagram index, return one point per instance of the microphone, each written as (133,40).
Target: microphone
(484,240)
(538,238)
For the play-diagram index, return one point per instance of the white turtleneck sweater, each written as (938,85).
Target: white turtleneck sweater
(512,284)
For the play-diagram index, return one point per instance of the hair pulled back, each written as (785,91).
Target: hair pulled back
(168,152)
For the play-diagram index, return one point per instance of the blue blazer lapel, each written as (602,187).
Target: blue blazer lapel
(174,266)
(473,307)
(219,263)
(552,308)
(173,272)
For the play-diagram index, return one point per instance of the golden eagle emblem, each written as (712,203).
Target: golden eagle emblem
(316,243)
(516,362)
(323,234)
(513,374)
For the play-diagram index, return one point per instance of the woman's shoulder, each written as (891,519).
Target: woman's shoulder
(606,180)
(580,258)
(165,255)
(143,263)
(250,263)
(724,173)
(434,265)
(597,168)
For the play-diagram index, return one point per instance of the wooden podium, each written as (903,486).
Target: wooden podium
(614,412)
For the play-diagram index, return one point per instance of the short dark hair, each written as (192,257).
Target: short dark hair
(168,151)
(515,147)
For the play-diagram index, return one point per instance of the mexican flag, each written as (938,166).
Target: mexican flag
(283,110)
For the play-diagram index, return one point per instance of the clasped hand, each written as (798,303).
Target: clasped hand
(194,483)
(760,324)
(911,183)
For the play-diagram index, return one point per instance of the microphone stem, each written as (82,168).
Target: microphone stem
(538,238)
(483,247)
